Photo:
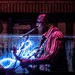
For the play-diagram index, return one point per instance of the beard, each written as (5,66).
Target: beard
(40,30)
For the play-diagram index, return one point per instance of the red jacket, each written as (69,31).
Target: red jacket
(53,44)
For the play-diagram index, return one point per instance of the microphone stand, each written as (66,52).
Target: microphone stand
(28,32)
(26,39)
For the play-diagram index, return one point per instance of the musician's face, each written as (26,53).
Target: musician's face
(40,26)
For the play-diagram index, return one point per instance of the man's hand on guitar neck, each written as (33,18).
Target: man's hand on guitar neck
(14,52)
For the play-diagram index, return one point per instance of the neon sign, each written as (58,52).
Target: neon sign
(25,53)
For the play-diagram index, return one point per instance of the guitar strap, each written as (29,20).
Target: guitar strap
(52,31)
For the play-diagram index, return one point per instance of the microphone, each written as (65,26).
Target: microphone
(29,32)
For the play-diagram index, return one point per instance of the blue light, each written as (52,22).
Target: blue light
(7,62)
(27,49)
(23,48)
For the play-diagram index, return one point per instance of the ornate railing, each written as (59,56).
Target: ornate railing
(35,6)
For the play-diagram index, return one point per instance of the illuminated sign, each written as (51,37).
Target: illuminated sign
(23,52)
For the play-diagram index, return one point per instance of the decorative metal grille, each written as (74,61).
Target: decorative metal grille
(35,6)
